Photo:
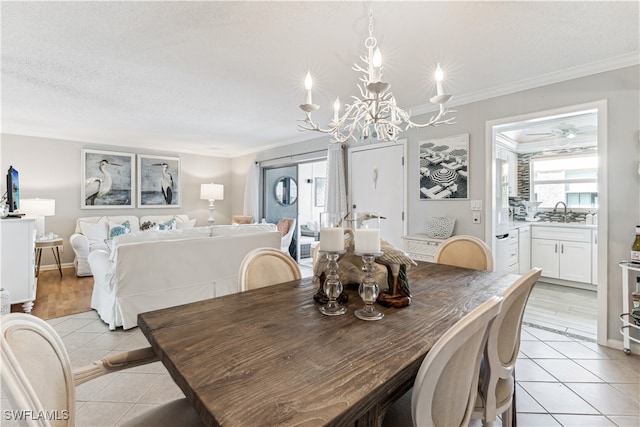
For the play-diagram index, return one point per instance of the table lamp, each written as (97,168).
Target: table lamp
(211,192)
(38,209)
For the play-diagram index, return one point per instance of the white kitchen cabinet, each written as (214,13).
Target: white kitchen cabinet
(513,261)
(419,247)
(18,260)
(562,253)
(524,249)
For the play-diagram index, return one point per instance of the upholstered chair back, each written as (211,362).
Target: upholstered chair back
(465,251)
(265,267)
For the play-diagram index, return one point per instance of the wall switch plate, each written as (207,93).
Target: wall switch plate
(477,217)
(476,205)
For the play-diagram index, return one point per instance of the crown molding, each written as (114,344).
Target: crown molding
(610,64)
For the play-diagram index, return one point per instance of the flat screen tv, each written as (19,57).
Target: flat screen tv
(13,190)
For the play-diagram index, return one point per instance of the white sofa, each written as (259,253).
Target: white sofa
(150,270)
(97,229)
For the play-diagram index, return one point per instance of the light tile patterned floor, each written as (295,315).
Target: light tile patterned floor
(561,381)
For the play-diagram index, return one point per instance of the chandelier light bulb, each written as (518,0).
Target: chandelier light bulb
(377,63)
(336,109)
(439,79)
(308,84)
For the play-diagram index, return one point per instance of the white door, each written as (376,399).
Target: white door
(377,183)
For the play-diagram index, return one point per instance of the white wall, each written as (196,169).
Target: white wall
(51,169)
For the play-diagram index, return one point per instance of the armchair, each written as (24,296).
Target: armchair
(287,226)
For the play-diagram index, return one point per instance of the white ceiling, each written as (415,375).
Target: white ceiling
(226,78)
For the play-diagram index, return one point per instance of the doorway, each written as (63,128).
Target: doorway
(555,132)
(297,191)
(280,195)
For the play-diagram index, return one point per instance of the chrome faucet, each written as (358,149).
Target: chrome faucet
(564,215)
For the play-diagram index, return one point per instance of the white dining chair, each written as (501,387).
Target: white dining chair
(497,375)
(265,267)
(445,388)
(465,251)
(37,376)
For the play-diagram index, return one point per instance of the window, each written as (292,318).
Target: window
(569,179)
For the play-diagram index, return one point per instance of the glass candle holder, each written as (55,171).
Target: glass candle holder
(331,246)
(368,291)
(367,245)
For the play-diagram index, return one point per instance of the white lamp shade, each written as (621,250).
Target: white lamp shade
(211,191)
(38,207)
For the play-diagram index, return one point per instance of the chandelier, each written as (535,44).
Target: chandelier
(374,113)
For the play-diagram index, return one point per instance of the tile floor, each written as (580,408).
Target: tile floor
(561,381)
(562,308)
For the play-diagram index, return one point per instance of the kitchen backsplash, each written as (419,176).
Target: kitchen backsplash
(516,202)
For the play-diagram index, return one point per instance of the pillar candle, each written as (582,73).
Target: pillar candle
(331,239)
(367,240)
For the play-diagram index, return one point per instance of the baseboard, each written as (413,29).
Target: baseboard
(55,267)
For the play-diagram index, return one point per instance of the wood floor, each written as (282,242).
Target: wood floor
(60,296)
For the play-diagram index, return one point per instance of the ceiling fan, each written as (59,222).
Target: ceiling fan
(568,132)
(562,135)
(563,131)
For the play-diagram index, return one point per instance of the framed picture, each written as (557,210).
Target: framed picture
(444,168)
(319,186)
(107,179)
(158,182)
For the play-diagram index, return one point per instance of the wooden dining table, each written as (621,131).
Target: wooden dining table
(268,357)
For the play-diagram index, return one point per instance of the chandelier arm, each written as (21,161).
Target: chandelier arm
(313,126)
(434,121)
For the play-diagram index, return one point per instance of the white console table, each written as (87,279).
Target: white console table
(18,260)
(420,247)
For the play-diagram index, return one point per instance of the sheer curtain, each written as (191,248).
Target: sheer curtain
(336,194)
(252,192)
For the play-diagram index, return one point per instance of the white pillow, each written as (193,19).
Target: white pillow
(185,224)
(95,232)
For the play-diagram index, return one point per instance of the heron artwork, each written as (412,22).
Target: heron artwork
(166,182)
(95,187)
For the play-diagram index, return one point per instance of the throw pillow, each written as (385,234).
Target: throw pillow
(169,225)
(148,225)
(95,232)
(283,227)
(119,229)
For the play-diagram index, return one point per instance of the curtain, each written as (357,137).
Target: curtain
(252,192)
(336,193)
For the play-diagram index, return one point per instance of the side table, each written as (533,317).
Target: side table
(56,247)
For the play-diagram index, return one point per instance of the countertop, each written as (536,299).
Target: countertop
(518,224)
